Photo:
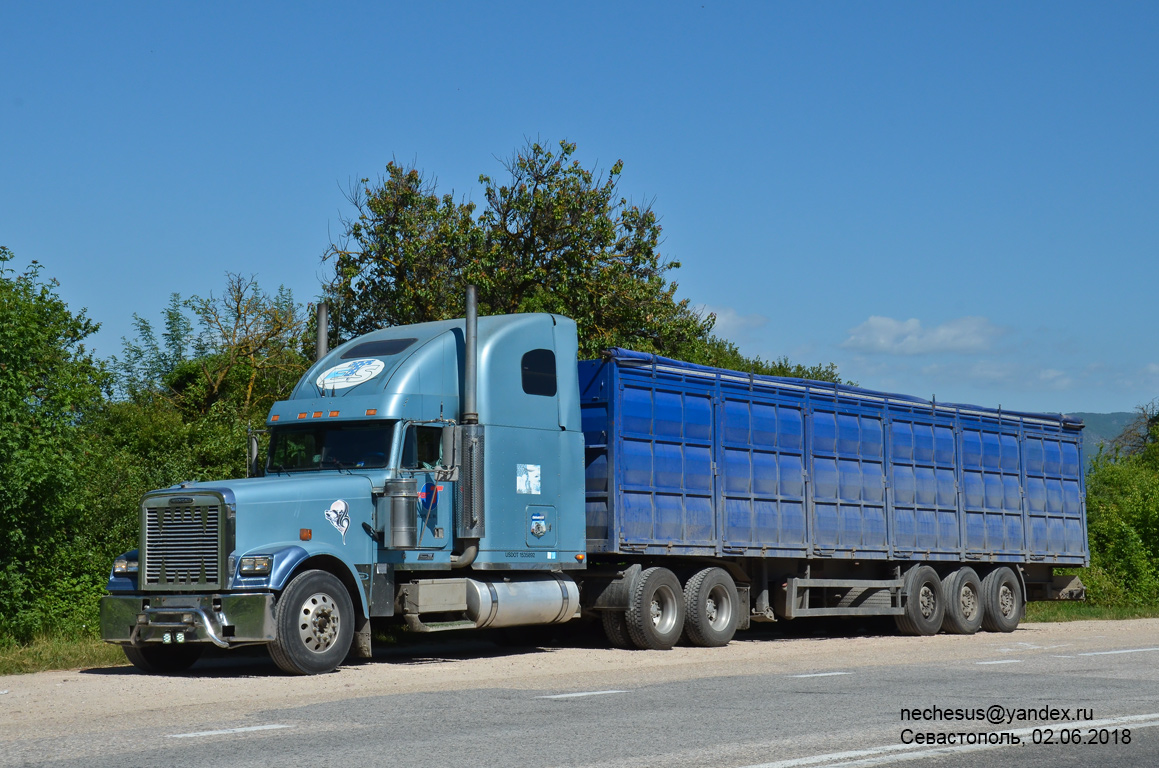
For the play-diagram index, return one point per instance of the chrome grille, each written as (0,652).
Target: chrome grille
(181,546)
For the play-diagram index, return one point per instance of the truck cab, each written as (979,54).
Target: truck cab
(377,500)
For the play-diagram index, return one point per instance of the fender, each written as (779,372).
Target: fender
(288,559)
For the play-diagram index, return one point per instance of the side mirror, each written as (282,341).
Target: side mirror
(252,451)
(450,444)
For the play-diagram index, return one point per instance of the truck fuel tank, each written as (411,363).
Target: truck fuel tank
(515,601)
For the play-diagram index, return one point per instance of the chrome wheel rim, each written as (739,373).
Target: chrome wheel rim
(663,610)
(319,622)
(718,608)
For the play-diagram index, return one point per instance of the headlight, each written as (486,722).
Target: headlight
(124,565)
(258,565)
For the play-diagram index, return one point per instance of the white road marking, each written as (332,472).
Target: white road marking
(889,753)
(577,695)
(1111,653)
(1002,661)
(823,674)
(1064,657)
(227,731)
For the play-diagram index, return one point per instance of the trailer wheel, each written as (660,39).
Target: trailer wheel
(925,605)
(963,592)
(314,620)
(1002,602)
(655,615)
(163,658)
(616,629)
(711,607)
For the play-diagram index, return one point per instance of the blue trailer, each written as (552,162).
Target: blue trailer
(468,474)
(822,498)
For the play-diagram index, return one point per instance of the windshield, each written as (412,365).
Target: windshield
(316,446)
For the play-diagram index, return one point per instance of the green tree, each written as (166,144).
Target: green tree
(553,236)
(49,383)
(1123,528)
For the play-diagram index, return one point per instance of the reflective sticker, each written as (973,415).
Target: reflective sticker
(351,373)
(527,478)
(538,525)
(339,517)
(550,555)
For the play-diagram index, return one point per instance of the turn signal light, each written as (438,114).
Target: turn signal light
(579,558)
(305,534)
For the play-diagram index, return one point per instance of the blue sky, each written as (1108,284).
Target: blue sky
(960,200)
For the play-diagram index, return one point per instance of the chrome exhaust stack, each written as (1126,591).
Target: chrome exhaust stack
(470,524)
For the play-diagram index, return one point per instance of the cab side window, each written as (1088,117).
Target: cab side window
(422,448)
(538,370)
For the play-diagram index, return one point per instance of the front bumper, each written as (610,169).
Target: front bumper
(224,620)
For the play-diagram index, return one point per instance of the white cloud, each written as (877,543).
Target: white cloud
(1054,378)
(884,335)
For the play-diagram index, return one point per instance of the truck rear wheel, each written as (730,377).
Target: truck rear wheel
(1002,603)
(655,615)
(163,658)
(925,605)
(963,592)
(711,607)
(616,629)
(314,620)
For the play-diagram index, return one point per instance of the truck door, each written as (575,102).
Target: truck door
(421,458)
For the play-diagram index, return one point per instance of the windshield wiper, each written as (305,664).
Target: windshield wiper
(335,462)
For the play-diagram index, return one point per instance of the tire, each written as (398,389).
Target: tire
(314,621)
(711,608)
(160,659)
(616,629)
(1002,602)
(963,592)
(655,615)
(925,606)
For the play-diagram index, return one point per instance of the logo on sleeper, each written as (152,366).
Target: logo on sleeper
(350,373)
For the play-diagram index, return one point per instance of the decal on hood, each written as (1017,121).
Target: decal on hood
(339,517)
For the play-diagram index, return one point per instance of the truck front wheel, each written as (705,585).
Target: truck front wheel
(314,620)
(655,615)
(163,658)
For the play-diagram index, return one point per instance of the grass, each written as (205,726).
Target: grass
(1068,611)
(47,653)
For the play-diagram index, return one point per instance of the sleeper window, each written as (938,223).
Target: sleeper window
(539,372)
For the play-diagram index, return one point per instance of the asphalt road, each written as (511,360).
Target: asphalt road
(772,701)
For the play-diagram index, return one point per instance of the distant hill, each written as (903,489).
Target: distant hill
(1102,428)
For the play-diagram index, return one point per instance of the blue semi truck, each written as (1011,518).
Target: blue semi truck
(469,474)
